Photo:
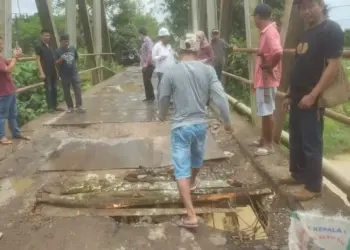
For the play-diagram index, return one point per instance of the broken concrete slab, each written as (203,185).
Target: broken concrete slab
(86,154)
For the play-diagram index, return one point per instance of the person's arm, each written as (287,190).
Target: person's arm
(210,54)
(76,55)
(334,46)
(38,60)
(8,67)
(225,44)
(274,43)
(165,91)
(59,58)
(155,53)
(218,97)
(148,54)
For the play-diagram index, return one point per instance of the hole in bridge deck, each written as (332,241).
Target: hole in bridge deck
(242,217)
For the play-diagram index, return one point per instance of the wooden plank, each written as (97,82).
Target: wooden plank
(85,21)
(292,29)
(47,22)
(252,37)
(130,212)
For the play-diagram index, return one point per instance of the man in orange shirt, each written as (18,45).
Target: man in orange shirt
(268,69)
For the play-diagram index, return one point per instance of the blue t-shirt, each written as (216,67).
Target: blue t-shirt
(68,67)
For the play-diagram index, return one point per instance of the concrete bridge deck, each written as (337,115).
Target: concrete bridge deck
(94,152)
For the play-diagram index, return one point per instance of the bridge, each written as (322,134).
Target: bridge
(103,179)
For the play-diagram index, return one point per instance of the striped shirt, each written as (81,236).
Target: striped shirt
(146,52)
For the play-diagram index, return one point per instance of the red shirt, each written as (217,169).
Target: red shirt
(269,45)
(7,86)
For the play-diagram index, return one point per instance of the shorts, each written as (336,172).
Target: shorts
(265,101)
(187,149)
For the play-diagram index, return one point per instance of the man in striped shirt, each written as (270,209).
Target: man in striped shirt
(146,64)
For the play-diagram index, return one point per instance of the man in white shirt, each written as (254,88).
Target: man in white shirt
(162,55)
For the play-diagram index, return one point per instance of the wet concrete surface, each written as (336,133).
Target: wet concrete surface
(88,154)
(24,230)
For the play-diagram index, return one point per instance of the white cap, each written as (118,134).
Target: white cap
(190,42)
(163,32)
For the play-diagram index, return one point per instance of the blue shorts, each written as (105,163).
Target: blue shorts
(187,148)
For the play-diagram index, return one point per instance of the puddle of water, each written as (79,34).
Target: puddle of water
(10,188)
(244,221)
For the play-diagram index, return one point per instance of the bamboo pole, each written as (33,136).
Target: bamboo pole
(339,117)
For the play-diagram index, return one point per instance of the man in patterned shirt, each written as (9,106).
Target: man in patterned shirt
(146,64)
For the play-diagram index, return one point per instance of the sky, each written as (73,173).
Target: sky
(339,10)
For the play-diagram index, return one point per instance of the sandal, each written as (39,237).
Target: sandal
(264,151)
(185,224)
(196,183)
(5,141)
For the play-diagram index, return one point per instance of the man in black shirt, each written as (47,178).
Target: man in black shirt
(318,58)
(45,57)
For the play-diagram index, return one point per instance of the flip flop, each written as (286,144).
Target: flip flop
(188,225)
(5,141)
(256,143)
(196,183)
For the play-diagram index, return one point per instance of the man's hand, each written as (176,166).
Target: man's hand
(307,101)
(63,57)
(42,76)
(286,104)
(17,53)
(162,57)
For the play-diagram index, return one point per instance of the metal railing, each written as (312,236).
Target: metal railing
(36,85)
(329,172)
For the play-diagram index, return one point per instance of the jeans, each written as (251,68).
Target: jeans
(147,81)
(187,149)
(51,91)
(8,110)
(306,146)
(75,82)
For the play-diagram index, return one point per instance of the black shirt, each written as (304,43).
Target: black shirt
(47,59)
(325,41)
(68,67)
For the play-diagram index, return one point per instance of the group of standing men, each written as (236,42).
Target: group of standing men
(52,64)
(193,83)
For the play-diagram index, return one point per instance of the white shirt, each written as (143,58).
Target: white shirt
(163,56)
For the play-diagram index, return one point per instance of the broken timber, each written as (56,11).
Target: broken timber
(131,198)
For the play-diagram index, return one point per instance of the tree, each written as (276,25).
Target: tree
(347,38)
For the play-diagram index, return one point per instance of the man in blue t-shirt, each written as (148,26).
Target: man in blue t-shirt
(66,61)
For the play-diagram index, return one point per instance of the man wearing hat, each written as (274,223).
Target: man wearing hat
(267,76)
(66,61)
(192,85)
(317,61)
(162,55)
(219,47)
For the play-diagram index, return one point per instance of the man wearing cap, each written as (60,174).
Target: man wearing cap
(219,47)
(192,85)
(267,76)
(317,61)
(162,55)
(66,61)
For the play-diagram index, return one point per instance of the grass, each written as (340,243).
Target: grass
(337,135)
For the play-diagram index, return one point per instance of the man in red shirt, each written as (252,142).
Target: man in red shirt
(8,108)
(267,76)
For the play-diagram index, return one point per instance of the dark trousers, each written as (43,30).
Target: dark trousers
(147,81)
(51,91)
(73,81)
(218,69)
(306,146)
(8,110)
